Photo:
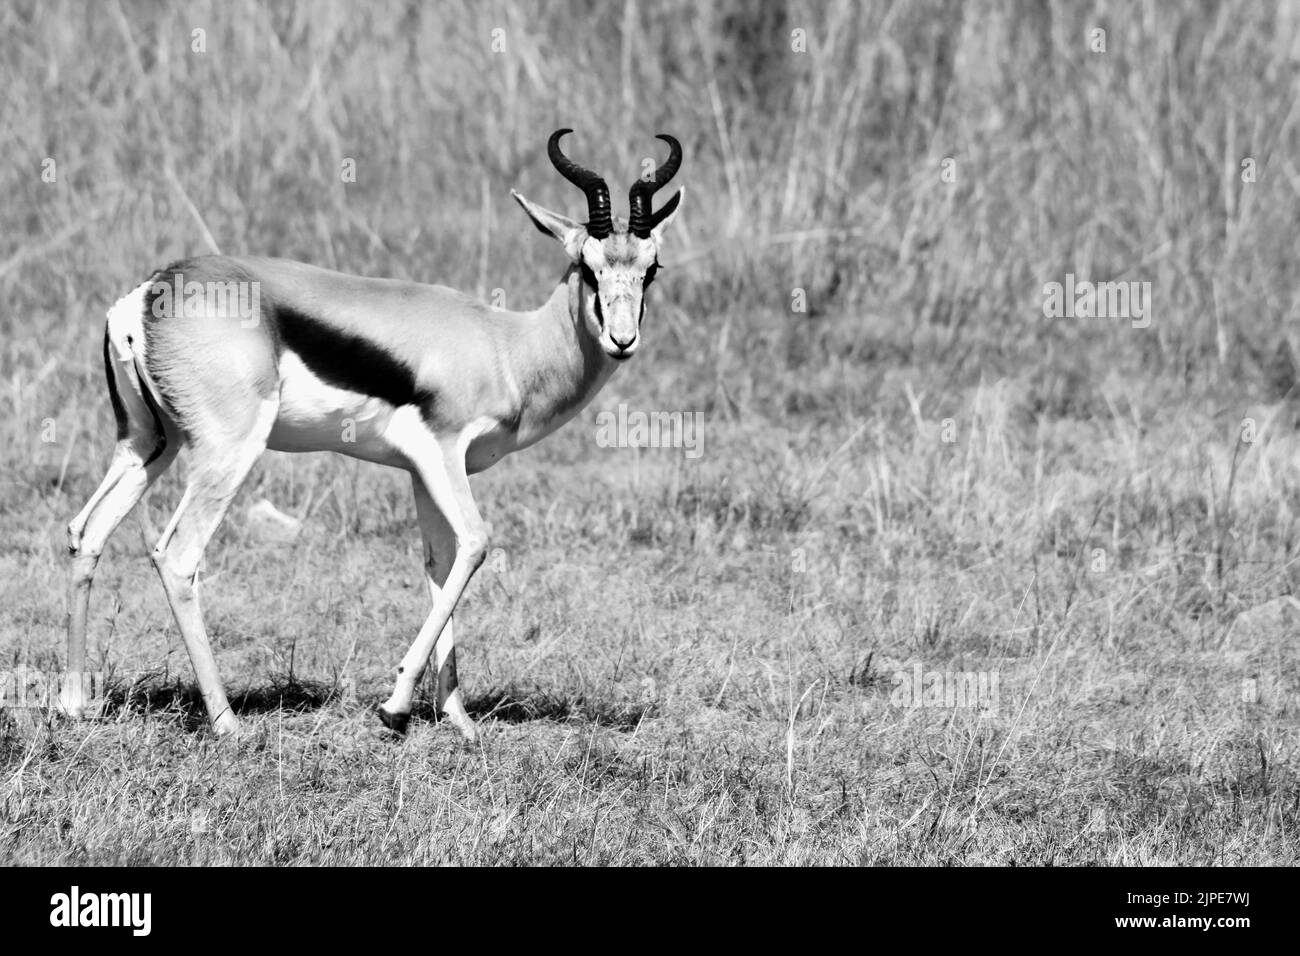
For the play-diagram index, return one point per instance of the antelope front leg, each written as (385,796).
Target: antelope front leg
(440,470)
(439,554)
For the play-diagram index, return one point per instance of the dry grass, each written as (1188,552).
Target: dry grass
(693,661)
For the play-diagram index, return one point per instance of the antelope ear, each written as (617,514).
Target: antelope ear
(665,215)
(568,233)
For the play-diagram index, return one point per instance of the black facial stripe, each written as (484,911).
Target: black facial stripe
(650,274)
(346,360)
(588,276)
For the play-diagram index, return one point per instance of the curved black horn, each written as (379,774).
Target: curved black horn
(599,221)
(642,220)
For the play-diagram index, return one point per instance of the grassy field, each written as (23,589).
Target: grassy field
(906,467)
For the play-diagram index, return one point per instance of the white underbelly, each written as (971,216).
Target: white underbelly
(316,416)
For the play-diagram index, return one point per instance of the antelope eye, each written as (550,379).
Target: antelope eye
(588,276)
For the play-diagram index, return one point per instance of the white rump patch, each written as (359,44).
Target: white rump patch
(127,349)
(126,323)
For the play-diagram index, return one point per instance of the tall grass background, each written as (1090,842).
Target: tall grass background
(813,134)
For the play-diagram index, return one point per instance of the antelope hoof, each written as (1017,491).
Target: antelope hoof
(454,710)
(394,722)
(468,729)
(226,725)
(71,706)
(72,698)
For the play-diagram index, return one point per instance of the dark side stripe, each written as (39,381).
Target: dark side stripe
(119,409)
(159,431)
(348,361)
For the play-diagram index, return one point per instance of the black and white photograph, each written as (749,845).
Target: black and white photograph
(660,433)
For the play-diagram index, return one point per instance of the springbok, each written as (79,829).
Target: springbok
(415,376)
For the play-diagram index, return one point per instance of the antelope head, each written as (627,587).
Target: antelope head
(617,260)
